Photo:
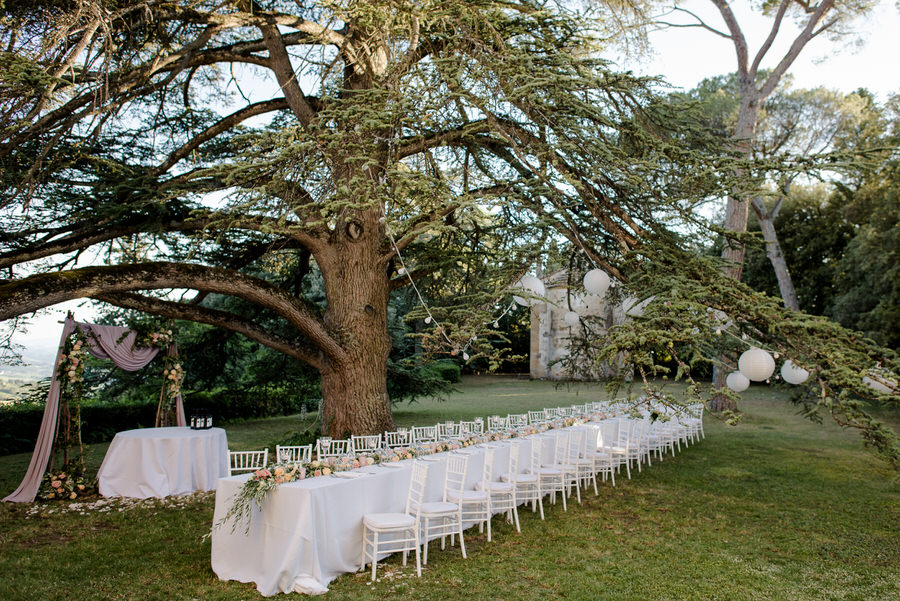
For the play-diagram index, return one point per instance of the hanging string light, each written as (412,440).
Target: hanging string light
(430,318)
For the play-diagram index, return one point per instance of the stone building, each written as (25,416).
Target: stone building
(551,334)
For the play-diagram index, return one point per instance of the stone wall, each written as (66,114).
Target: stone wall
(550,334)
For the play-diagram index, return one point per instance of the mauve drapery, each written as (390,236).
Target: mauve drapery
(103,342)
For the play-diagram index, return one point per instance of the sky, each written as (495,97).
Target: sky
(683,56)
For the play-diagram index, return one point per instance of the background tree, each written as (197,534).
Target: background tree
(135,135)
(754,86)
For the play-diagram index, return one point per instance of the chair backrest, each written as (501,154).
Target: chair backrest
(424,434)
(536,416)
(246,461)
(472,427)
(457,465)
(550,414)
(576,438)
(446,430)
(487,472)
(496,422)
(537,454)
(589,441)
(517,419)
(562,447)
(397,439)
(293,453)
(329,447)
(416,495)
(608,432)
(512,467)
(623,434)
(366,444)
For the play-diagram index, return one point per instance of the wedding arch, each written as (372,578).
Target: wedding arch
(104,342)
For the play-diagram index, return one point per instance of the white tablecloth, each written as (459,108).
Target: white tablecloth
(309,532)
(158,462)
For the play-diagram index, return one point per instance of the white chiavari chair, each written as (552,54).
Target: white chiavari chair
(328,448)
(401,529)
(424,434)
(400,438)
(443,518)
(293,454)
(365,444)
(247,461)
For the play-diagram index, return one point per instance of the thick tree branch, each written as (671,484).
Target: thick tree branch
(457,135)
(797,46)
(224,124)
(214,317)
(737,36)
(773,33)
(90,234)
(35,292)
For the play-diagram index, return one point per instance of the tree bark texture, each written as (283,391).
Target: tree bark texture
(776,257)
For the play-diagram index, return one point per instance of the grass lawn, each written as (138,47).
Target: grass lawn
(776,508)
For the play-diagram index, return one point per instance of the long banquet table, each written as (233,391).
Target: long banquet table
(309,532)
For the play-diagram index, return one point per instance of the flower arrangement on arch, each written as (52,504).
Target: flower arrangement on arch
(160,339)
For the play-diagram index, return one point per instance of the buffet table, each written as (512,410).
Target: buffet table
(159,462)
(310,531)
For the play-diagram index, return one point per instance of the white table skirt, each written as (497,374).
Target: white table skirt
(158,462)
(309,532)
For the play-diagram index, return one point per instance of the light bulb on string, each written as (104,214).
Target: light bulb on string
(428,319)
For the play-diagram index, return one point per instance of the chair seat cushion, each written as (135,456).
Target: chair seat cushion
(438,507)
(468,496)
(520,478)
(549,471)
(495,486)
(380,521)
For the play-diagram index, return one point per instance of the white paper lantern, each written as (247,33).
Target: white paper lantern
(737,381)
(881,381)
(793,373)
(756,364)
(571,318)
(533,286)
(596,282)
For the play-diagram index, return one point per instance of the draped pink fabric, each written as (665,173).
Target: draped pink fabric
(104,343)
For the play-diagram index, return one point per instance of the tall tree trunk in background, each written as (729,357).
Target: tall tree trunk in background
(751,99)
(773,251)
(736,214)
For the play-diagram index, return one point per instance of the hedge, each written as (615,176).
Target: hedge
(20,422)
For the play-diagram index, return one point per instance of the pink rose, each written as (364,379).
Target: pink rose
(317,473)
(56,484)
(263,473)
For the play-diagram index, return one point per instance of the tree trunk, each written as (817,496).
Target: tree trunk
(357,287)
(737,207)
(773,251)
(720,402)
(737,210)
